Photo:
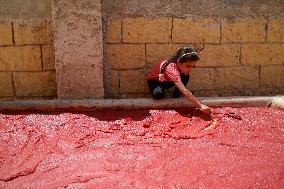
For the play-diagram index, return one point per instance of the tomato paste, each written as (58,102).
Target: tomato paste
(176,148)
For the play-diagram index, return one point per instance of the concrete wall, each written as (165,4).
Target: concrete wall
(78,48)
(243,54)
(13,10)
(244,44)
(26,50)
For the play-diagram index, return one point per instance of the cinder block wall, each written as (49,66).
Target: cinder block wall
(243,54)
(26,51)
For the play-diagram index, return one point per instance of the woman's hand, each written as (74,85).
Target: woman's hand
(206,109)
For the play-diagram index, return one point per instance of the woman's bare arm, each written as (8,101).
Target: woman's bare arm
(189,96)
(187,93)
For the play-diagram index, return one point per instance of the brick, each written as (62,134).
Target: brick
(201,79)
(40,33)
(281,91)
(35,84)
(138,95)
(272,76)
(6,33)
(126,56)
(21,58)
(245,30)
(239,92)
(270,91)
(195,31)
(262,54)
(275,30)
(220,55)
(158,52)
(204,93)
(133,81)
(6,83)
(113,33)
(227,92)
(48,57)
(236,78)
(113,82)
(143,30)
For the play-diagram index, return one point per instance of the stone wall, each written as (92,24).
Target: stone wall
(243,48)
(26,50)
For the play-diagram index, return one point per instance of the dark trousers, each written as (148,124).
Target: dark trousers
(157,88)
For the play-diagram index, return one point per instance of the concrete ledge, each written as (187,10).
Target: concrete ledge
(278,102)
(140,103)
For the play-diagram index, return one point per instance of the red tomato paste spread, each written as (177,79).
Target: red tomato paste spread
(178,148)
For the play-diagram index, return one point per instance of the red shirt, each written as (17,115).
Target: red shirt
(171,72)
